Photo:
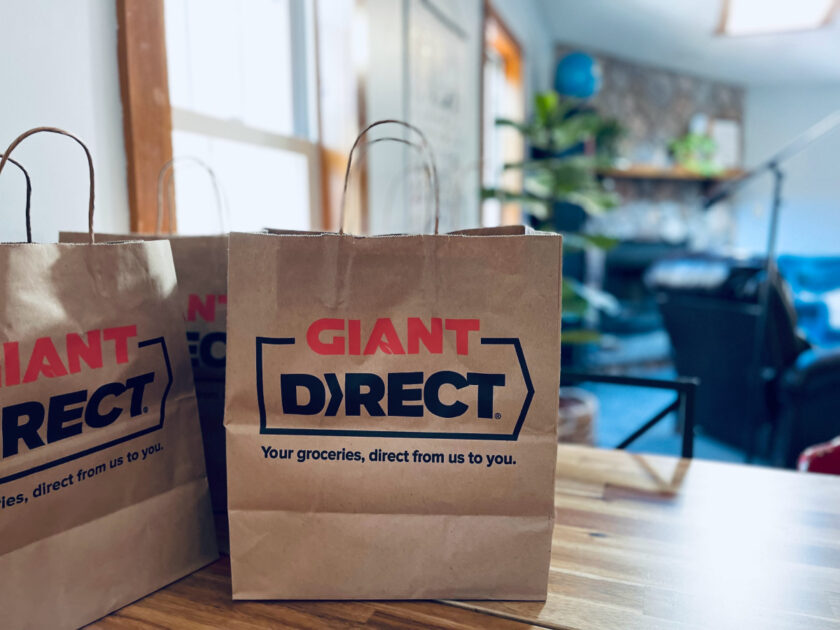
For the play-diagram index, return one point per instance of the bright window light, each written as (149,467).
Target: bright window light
(762,17)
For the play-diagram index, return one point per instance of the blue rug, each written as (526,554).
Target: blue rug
(623,409)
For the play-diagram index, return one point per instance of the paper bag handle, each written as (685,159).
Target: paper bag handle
(23,137)
(366,147)
(28,197)
(167,171)
(430,159)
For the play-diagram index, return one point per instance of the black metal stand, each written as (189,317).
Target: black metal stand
(683,403)
(770,270)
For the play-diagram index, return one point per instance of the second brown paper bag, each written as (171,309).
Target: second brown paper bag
(201,266)
(391,414)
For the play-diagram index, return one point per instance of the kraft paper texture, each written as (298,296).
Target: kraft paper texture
(370,382)
(103,493)
(201,267)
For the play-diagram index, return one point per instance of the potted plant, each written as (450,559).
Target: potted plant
(696,152)
(568,141)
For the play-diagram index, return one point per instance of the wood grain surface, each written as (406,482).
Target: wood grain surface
(147,115)
(640,542)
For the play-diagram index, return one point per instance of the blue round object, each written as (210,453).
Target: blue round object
(578,75)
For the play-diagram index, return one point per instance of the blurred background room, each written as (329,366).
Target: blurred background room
(700,295)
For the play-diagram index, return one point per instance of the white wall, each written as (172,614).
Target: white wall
(390,93)
(810,215)
(59,68)
(386,97)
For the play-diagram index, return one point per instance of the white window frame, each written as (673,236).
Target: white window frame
(305,111)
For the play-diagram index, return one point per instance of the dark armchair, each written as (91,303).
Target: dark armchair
(780,402)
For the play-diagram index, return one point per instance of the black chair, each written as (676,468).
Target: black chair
(778,399)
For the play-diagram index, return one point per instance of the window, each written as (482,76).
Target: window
(269,93)
(503,97)
(241,91)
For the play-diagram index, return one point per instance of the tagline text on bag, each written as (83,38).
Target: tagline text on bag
(416,456)
(84,473)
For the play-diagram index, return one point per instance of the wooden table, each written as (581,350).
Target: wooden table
(640,542)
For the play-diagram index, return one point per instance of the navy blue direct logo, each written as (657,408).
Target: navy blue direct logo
(113,411)
(455,403)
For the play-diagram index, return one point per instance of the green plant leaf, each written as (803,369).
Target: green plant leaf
(523,128)
(580,336)
(594,202)
(575,306)
(583,162)
(562,175)
(506,196)
(545,105)
(579,241)
(596,298)
(530,203)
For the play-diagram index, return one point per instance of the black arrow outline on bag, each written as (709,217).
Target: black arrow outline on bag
(507,437)
(114,442)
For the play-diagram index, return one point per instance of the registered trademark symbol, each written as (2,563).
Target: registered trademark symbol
(498,416)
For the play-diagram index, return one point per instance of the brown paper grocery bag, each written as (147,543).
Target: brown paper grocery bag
(103,494)
(391,415)
(201,267)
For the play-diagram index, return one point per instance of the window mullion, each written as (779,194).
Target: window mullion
(300,20)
